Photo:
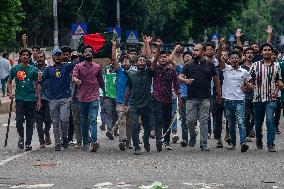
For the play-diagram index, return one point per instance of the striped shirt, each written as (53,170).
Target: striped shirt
(265,78)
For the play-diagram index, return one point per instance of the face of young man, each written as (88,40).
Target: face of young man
(88,54)
(249,55)
(25,57)
(187,58)
(210,51)
(274,57)
(126,64)
(65,56)
(141,63)
(163,59)
(255,48)
(132,55)
(266,52)
(40,59)
(34,52)
(198,52)
(235,60)
(57,58)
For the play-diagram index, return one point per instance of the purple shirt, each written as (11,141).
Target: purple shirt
(164,80)
(91,80)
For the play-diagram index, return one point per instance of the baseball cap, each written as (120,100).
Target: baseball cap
(74,53)
(56,51)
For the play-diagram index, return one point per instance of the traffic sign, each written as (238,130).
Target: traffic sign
(215,37)
(132,36)
(116,30)
(232,38)
(79,28)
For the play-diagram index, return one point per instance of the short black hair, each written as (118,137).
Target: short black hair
(123,56)
(265,45)
(186,52)
(5,55)
(238,47)
(132,50)
(247,49)
(275,51)
(253,43)
(203,46)
(209,44)
(163,52)
(41,52)
(87,46)
(36,47)
(25,50)
(235,52)
(65,49)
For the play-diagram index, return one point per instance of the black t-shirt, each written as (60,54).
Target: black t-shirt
(202,74)
(257,57)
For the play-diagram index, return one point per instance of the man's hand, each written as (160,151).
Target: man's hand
(10,95)
(24,37)
(239,33)
(38,105)
(113,42)
(218,99)
(243,88)
(77,81)
(269,29)
(158,42)
(188,81)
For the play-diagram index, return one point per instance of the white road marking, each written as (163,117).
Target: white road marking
(33,186)
(3,162)
(109,185)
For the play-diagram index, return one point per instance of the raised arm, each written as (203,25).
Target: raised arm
(238,36)
(269,31)
(157,55)
(24,40)
(114,54)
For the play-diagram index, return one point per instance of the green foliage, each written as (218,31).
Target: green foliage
(10,16)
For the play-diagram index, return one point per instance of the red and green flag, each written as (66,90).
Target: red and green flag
(101,43)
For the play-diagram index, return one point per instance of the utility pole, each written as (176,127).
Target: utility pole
(55,33)
(118,12)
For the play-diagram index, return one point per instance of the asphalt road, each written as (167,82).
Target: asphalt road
(111,168)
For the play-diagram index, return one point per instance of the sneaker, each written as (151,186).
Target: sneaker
(205,148)
(103,127)
(122,146)
(21,143)
(128,145)
(248,139)
(137,152)
(159,146)
(259,145)
(78,146)
(209,136)
(175,138)
(183,143)
(168,146)
(95,147)
(231,147)
(47,140)
(244,147)
(85,147)
(278,132)
(116,134)
(109,135)
(152,135)
(28,147)
(65,143)
(72,143)
(271,148)
(147,146)
(192,142)
(57,147)
(219,144)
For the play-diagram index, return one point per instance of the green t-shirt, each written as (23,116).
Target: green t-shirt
(25,77)
(110,82)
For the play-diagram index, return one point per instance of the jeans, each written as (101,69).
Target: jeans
(163,117)
(261,109)
(134,120)
(88,120)
(235,112)
(111,114)
(198,109)
(249,123)
(184,128)
(174,111)
(60,111)
(43,116)
(217,114)
(25,110)
(76,122)
(4,83)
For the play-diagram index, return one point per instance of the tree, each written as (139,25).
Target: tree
(10,16)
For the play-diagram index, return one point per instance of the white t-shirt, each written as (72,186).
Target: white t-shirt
(233,79)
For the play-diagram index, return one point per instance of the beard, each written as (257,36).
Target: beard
(88,58)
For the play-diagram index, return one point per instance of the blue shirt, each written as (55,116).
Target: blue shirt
(121,83)
(45,92)
(182,85)
(59,80)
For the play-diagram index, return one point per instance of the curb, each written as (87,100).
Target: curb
(5,107)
